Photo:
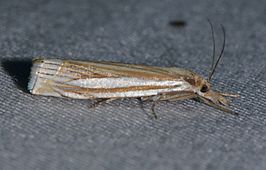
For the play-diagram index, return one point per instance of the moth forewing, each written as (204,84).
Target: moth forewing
(93,80)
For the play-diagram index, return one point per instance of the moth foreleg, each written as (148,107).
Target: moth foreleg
(181,97)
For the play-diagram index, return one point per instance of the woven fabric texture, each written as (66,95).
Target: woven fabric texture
(38,132)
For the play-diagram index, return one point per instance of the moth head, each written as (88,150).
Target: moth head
(214,98)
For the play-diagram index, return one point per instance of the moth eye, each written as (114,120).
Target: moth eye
(204,89)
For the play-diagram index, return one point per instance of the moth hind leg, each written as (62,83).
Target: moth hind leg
(99,102)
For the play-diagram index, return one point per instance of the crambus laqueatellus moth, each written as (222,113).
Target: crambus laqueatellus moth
(110,81)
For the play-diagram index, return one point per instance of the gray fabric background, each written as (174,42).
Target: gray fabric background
(38,132)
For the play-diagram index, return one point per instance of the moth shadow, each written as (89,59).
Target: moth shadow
(19,70)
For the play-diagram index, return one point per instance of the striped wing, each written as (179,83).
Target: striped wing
(89,80)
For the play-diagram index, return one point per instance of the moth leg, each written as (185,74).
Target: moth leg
(145,98)
(184,97)
(169,98)
(99,102)
(141,102)
(153,109)
(166,97)
(155,100)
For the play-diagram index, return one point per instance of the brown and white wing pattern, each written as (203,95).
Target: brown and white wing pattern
(90,80)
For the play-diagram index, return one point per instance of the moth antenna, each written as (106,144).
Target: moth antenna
(213,42)
(220,56)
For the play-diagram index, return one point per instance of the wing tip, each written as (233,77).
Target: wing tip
(34,74)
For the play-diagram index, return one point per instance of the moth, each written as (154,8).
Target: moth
(107,81)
